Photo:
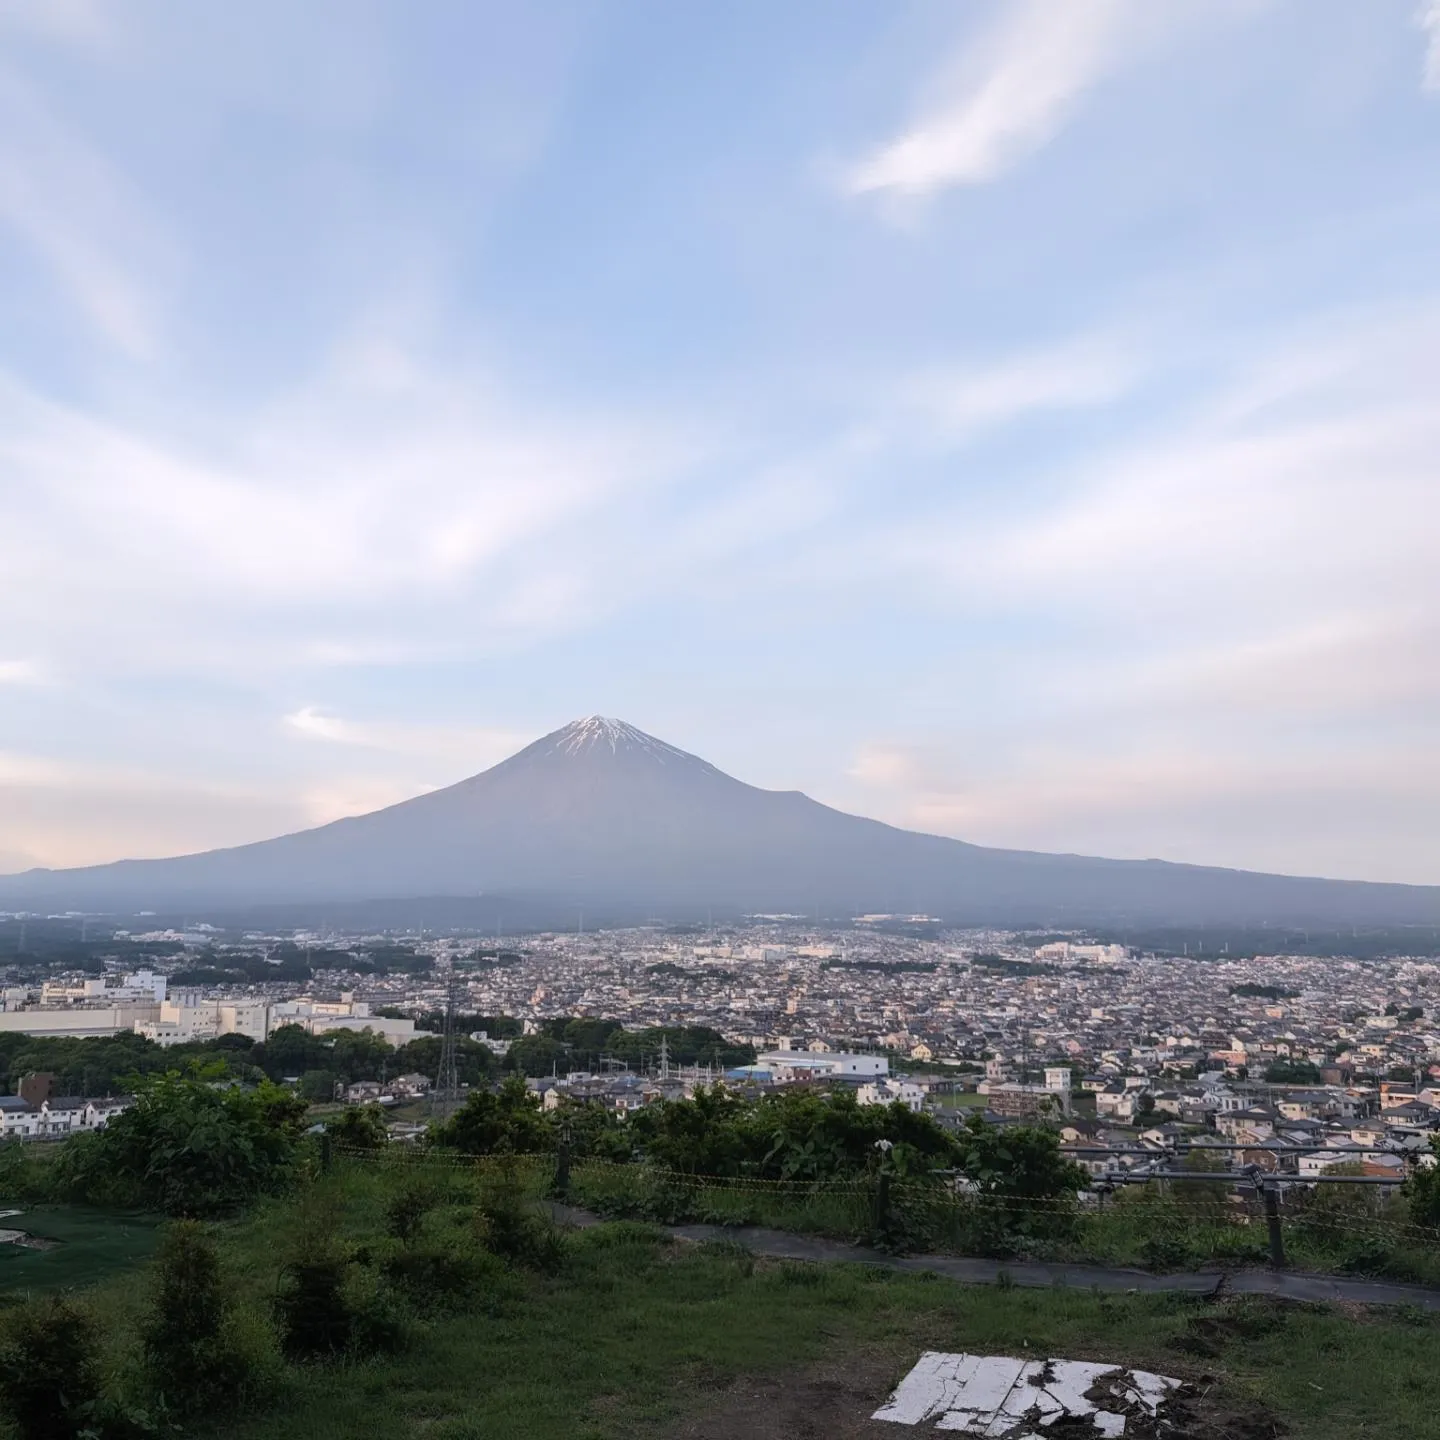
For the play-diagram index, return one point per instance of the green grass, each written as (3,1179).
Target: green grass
(635,1334)
(633,1337)
(961,1100)
(90,1244)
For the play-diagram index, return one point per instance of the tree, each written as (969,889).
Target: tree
(1145,1106)
(507,1121)
(291,1050)
(536,1055)
(1292,1072)
(318,1086)
(473,1062)
(49,1370)
(1017,1162)
(187,1351)
(1422,1189)
(359,1127)
(187,1147)
(360,1055)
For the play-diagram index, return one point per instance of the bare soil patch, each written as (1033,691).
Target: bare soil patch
(835,1400)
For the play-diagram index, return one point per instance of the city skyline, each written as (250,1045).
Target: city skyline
(1014,428)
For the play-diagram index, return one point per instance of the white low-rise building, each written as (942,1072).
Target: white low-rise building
(55,1117)
(191,1016)
(888,1091)
(787,1065)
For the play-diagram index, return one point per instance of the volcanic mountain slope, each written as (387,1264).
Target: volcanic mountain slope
(599,811)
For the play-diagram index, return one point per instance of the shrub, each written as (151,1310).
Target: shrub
(190,1350)
(49,1370)
(187,1148)
(509,1121)
(510,1228)
(23,1175)
(1422,1189)
(328,1305)
(406,1209)
(360,1127)
(314,1316)
(439,1280)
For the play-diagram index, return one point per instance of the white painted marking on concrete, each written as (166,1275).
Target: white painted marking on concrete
(999,1396)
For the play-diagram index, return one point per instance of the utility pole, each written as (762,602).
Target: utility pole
(447,1079)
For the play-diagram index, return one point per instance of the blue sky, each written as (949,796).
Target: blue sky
(1014,420)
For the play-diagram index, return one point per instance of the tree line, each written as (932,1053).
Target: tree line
(111,1065)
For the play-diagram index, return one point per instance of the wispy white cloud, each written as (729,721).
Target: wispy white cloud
(1427,17)
(20,672)
(965,399)
(370,496)
(78,22)
(1003,98)
(81,219)
(476,746)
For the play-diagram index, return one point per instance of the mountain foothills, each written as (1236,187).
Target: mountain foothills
(599,814)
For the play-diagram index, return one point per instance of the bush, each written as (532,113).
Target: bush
(510,1228)
(187,1148)
(50,1370)
(406,1209)
(360,1127)
(314,1316)
(328,1305)
(191,1352)
(1422,1189)
(1021,1172)
(504,1122)
(23,1175)
(439,1280)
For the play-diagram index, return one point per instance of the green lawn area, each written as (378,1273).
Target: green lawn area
(961,1100)
(89,1245)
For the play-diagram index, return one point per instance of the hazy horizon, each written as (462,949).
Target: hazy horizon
(1011,422)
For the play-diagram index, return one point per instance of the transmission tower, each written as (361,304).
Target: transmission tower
(446,1095)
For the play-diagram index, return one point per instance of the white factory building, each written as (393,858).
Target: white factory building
(139,1004)
(788,1065)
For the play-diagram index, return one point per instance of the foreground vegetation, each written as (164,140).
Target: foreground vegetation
(417,1297)
(796,1159)
(336,1285)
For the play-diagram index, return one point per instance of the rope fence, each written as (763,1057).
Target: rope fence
(1155,1222)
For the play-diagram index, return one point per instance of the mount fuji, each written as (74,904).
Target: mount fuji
(601,815)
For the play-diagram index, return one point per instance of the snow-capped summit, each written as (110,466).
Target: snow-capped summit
(600,731)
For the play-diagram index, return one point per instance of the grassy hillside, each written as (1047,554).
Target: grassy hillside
(617,1332)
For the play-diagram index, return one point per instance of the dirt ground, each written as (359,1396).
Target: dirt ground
(834,1401)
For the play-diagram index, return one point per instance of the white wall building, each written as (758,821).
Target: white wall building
(786,1065)
(78,1021)
(888,1091)
(190,1016)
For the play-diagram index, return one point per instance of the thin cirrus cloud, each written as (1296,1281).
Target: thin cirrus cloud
(966,399)
(81,220)
(1003,99)
(1427,17)
(77,22)
(383,489)
(476,746)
